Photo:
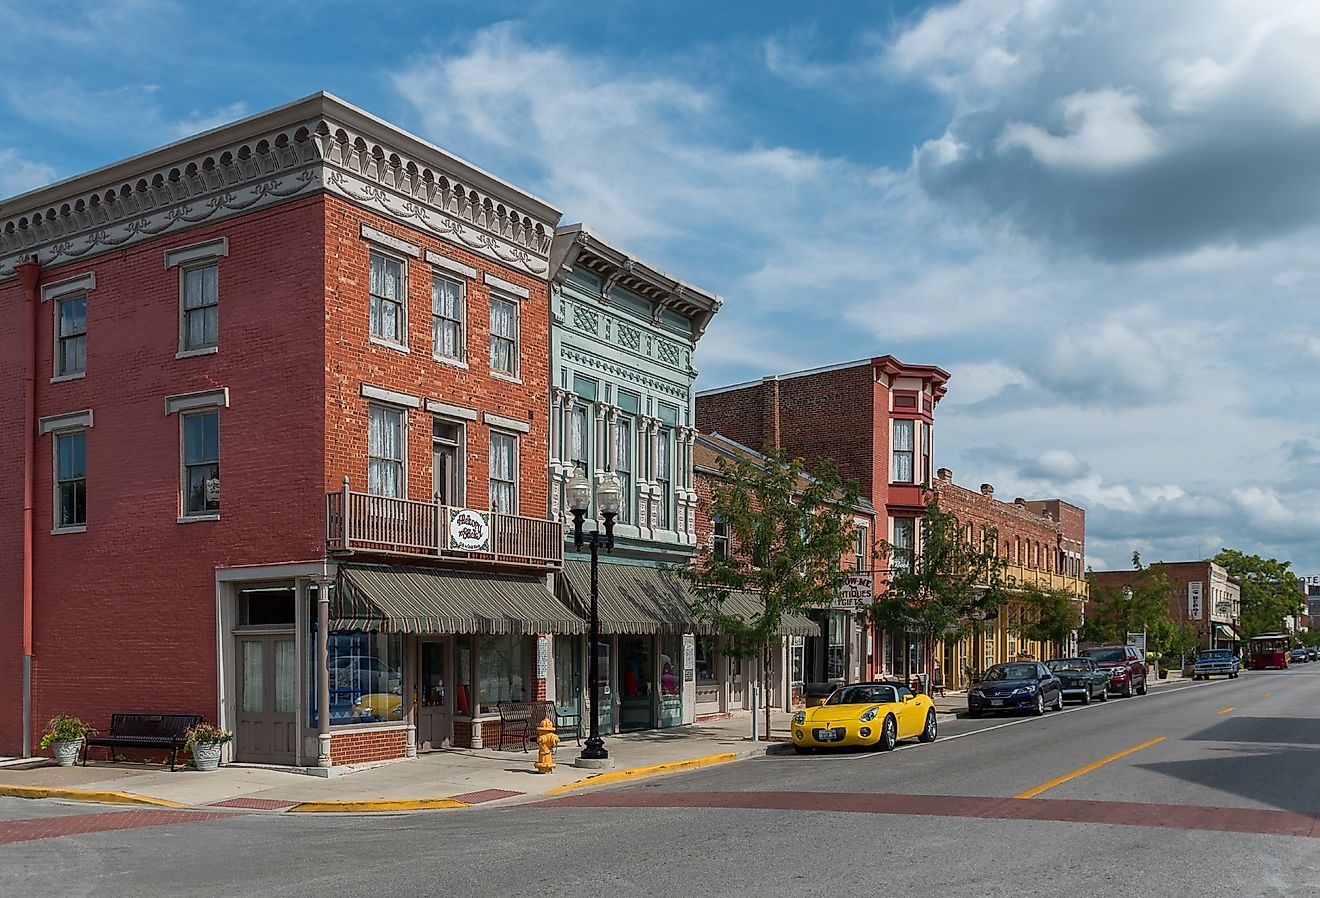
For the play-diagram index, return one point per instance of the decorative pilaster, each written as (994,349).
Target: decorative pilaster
(323,671)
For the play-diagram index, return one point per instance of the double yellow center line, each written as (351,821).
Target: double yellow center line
(1081,771)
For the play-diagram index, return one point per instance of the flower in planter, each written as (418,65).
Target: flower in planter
(206,734)
(65,728)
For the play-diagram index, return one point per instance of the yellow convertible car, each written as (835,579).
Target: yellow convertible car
(875,715)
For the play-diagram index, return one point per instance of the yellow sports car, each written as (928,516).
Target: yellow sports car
(875,715)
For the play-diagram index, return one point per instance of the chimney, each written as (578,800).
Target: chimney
(1019,501)
(770,411)
(944,474)
(987,490)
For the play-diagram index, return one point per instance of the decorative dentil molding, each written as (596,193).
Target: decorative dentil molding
(276,164)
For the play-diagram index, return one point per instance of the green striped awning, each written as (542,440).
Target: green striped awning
(635,598)
(420,600)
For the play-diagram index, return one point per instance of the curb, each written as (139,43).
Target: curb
(93,795)
(376,807)
(618,776)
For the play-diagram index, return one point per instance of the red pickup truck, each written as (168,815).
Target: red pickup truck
(1125,666)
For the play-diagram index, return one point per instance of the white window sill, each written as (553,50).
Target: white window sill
(450,361)
(61,378)
(390,344)
(504,375)
(189,353)
(197,518)
(78,528)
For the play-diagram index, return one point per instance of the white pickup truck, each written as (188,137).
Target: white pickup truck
(1215,662)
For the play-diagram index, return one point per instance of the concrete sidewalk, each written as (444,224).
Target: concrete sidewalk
(453,778)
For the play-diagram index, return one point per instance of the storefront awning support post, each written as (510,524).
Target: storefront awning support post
(323,672)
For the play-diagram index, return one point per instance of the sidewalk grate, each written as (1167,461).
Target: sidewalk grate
(485,795)
(256,804)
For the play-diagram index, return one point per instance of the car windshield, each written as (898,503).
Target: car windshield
(1070,664)
(1011,672)
(1105,655)
(1216,655)
(862,695)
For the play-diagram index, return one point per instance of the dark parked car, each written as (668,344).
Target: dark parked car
(1125,666)
(1020,686)
(1297,656)
(1215,663)
(1080,678)
(1312,653)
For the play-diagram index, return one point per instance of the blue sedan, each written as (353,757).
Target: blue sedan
(1020,686)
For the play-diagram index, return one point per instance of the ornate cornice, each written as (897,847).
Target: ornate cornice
(314,144)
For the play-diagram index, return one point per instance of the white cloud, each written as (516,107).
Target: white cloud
(19,175)
(1106,132)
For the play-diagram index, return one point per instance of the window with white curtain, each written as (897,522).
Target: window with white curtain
(385,433)
(663,476)
(504,336)
(905,530)
(902,472)
(925,453)
(503,472)
(623,466)
(388,299)
(447,317)
(579,439)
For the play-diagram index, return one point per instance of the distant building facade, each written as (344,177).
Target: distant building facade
(1201,593)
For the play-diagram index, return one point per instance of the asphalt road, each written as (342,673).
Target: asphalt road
(1207,789)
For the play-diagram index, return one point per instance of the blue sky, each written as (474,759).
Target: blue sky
(1100,217)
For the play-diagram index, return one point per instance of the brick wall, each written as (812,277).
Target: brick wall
(352,359)
(363,748)
(124,614)
(1026,538)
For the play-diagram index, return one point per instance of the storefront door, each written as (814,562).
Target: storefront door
(434,726)
(737,692)
(267,731)
(637,686)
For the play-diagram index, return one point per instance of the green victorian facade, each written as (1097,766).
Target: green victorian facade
(622,339)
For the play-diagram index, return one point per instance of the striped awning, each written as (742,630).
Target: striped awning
(640,599)
(393,599)
(1224,631)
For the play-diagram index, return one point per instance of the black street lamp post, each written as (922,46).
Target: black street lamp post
(607,505)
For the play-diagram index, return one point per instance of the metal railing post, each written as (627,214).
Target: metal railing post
(344,517)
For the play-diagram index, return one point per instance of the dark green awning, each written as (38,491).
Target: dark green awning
(421,600)
(643,599)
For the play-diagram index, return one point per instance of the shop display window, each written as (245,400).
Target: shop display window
(366,678)
(503,663)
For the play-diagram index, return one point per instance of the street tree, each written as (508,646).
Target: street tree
(1049,615)
(788,531)
(1119,610)
(939,589)
(1270,591)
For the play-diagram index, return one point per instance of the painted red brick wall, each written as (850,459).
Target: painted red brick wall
(1037,535)
(364,748)
(125,613)
(351,359)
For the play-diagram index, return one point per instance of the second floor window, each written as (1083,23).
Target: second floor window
(71,479)
(905,530)
(201,307)
(720,540)
(504,336)
(71,336)
(902,472)
(861,549)
(503,473)
(579,439)
(925,453)
(447,318)
(388,311)
(663,477)
(201,463)
(385,452)
(623,466)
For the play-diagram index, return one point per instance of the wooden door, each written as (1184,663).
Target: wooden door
(267,731)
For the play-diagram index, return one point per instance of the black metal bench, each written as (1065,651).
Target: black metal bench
(145,731)
(568,719)
(522,718)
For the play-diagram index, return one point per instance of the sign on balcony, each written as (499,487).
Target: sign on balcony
(469,530)
(856,592)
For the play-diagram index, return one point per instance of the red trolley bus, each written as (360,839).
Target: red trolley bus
(1269,650)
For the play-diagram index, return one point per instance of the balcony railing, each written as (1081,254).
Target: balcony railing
(381,524)
(1025,576)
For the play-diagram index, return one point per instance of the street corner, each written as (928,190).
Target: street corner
(91,796)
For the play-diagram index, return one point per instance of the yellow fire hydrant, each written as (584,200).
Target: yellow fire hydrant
(547,740)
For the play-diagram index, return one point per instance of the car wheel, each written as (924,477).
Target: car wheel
(1104,693)
(975,715)
(801,749)
(888,735)
(1040,705)
(1086,696)
(1141,690)
(1058,700)
(1232,676)
(932,728)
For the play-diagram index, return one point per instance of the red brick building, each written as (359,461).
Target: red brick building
(875,418)
(1043,543)
(1201,593)
(353,325)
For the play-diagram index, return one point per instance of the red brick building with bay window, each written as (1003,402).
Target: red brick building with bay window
(353,326)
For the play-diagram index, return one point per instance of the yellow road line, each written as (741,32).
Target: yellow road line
(615,776)
(1266,694)
(101,796)
(384,806)
(1225,710)
(1044,787)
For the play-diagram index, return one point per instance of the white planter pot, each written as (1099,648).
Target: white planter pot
(66,752)
(206,755)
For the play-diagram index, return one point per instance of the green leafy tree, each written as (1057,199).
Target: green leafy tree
(1118,610)
(942,589)
(1270,591)
(1049,615)
(788,532)
(1169,641)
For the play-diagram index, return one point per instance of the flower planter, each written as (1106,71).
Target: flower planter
(206,755)
(66,751)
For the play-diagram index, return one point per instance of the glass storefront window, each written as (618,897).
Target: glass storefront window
(463,677)
(568,672)
(433,674)
(366,678)
(671,665)
(835,655)
(707,659)
(502,666)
